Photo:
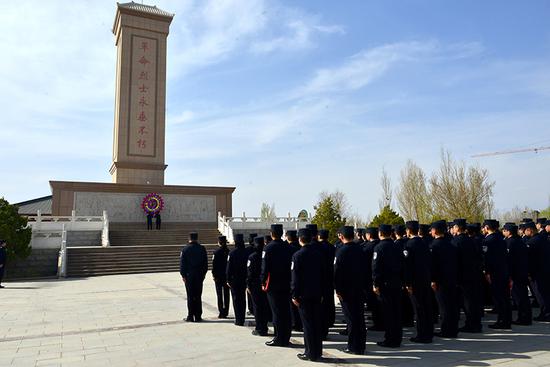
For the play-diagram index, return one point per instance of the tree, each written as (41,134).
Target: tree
(461,192)
(413,199)
(14,230)
(387,196)
(387,216)
(267,213)
(340,201)
(328,215)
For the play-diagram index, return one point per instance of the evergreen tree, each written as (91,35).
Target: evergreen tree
(328,216)
(387,216)
(14,230)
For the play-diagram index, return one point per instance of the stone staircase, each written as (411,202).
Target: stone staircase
(134,249)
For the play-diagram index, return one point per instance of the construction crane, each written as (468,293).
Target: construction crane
(536,150)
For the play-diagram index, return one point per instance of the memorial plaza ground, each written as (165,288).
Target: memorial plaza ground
(136,320)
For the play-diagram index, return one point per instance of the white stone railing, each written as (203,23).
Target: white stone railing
(228,225)
(62,259)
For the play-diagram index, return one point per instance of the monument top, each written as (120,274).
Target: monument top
(142,8)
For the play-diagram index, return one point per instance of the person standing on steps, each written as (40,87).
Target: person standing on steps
(193,269)
(219,266)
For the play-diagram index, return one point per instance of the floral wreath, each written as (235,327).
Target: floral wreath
(152,203)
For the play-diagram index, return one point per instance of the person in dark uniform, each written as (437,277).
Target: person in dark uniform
(314,230)
(474,232)
(236,278)
(444,279)
(329,308)
(470,264)
(407,311)
(250,250)
(254,288)
(387,269)
(193,269)
(296,321)
(149,221)
(350,283)
(417,265)
(275,278)
(309,274)
(497,274)
(539,248)
(338,243)
(267,239)
(219,267)
(3,259)
(158,221)
(360,236)
(518,261)
(373,303)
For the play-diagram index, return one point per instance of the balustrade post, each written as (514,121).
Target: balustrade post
(38,223)
(62,262)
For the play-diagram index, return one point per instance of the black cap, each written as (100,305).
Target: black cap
(323,233)
(292,232)
(371,230)
(277,229)
(251,237)
(521,226)
(360,231)
(510,227)
(348,231)
(450,224)
(424,227)
(258,241)
(193,236)
(547,223)
(385,228)
(489,222)
(439,225)
(460,222)
(222,239)
(413,225)
(399,229)
(312,228)
(473,227)
(526,220)
(239,238)
(304,232)
(541,220)
(530,225)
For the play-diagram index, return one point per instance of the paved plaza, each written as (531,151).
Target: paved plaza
(136,320)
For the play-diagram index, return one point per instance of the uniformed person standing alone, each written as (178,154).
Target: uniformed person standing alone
(444,279)
(193,269)
(219,267)
(254,288)
(387,268)
(275,278)
(309,274)
(236,278)
(350,283)
(417,264)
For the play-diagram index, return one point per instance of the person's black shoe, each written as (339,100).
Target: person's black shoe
(198,319)
(420,341)
(189,319)
(448,336)
(471,330)
(1,286)
(349,351)
(385,344)
(343,332)
(522,322)
(273,343)
(259,333)
(239,323)
(302,356)
(500,326)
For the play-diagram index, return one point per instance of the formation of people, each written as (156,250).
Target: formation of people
(411,275)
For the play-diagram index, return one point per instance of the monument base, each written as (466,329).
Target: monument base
(182,204)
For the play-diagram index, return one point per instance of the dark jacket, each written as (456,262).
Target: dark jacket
(276,259)
(3,256)
(219,264)
(236,266)
(496,257)
(417,263)
(444,262)
(518,259)
(368,250)
(539,256)
(309,273)
(254,268)
(329,252)
(387,264)
(470,259)
(193,261)
(350,277)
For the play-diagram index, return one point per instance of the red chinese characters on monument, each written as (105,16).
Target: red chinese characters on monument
(143,94)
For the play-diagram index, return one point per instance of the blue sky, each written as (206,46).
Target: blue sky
(286,99)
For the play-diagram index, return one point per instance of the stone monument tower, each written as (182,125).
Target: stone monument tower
(140,100)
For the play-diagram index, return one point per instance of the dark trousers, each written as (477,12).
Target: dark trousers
(373,304)
(421,299)
(149,224)
(193,288)
(157,224)
(311,313)
(295,318)
(435,306)
(261,309)
(238,294)
(542,287)
(520,295)
(407,310)
(329,311)
(448,309)
(501,300)
(391,301)
(278,301)
(354,312)
(222,292)
(250,303)
(2,273)
(472,298)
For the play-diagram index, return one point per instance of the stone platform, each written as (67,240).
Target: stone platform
(135,320)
